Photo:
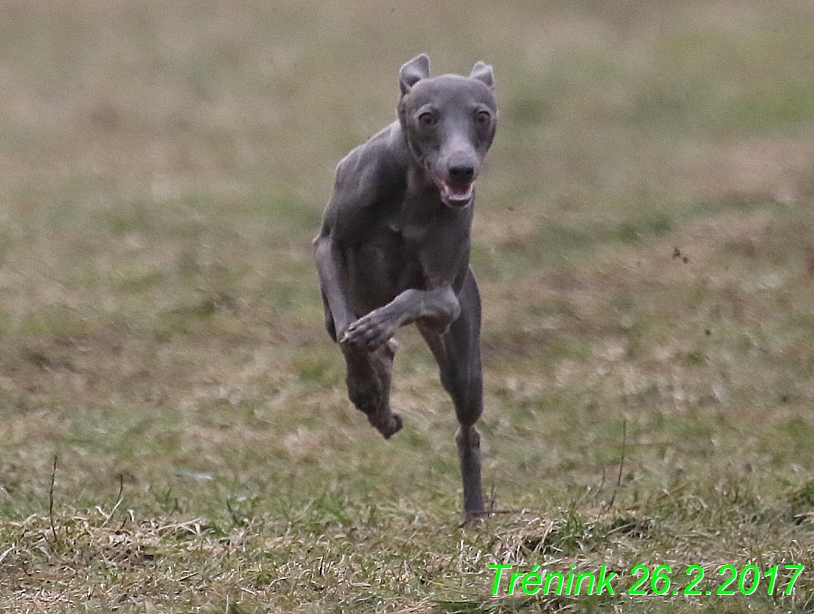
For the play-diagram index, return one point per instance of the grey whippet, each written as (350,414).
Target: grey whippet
(394,250)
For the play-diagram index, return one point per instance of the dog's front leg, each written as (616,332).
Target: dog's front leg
(331,267)
(438,307)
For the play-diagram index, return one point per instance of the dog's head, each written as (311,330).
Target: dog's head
(449,123)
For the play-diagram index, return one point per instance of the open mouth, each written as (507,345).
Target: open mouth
(456,195)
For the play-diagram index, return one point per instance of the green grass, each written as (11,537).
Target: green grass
(643,242)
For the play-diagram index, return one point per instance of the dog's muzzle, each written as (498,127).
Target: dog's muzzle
(456,195)
(457,186)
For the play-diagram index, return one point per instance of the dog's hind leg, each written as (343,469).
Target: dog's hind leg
(368,379)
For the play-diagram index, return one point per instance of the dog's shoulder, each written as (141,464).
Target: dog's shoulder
(376,167)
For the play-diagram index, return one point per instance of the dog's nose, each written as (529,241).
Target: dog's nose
(461,173)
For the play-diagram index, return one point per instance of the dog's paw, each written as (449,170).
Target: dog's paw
(371,331)
(473,517)
(388,424)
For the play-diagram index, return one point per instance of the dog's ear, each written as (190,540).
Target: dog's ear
(413,71)
(483,73)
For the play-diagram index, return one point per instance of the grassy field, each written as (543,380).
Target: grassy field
(174,431)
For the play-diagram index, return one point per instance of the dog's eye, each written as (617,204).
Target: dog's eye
(427,119)
(483,118)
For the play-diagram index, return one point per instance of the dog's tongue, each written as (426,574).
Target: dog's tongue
(456,195)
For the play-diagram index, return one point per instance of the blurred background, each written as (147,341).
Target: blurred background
(644,242)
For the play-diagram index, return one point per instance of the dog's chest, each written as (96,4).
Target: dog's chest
(419,220)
